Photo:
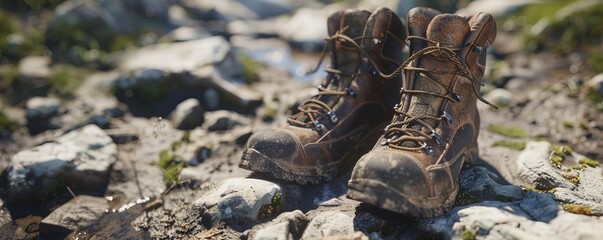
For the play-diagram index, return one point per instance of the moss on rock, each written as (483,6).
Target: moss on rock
(509,131)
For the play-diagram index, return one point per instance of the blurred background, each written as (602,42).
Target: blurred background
(159,52)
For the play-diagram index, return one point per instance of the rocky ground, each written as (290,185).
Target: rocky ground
(144,141)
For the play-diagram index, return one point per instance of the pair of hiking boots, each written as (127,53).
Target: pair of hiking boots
(411,124)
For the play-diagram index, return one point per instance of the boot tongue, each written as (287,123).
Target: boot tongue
(345,56)
(449,31)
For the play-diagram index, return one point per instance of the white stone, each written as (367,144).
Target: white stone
(42,107)
(238,199)
(187,115)
(330,223)
(535,168)
(80,159)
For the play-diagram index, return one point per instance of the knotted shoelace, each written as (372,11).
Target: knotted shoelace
(399,131)
(313,108)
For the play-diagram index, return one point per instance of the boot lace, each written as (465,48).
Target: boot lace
(314,108)
(399,131)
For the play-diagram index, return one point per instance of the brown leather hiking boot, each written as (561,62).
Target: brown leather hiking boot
(415,165)
(342,122)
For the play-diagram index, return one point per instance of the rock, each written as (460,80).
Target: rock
(503,220)
(540,206)
(103,22)
(288,225)
(183,34)
(5,217)
(177,57)
(35,69)
(42,107)
(40,112)
(235,9)
(327,224)
(238,135)
(516,84)
(187,115)
(594,88)
(202,153)
(257,28)
(478,182)
(74,215)
(223,120)
(535,168)
(589,193)
(279,231)
(159,77)
(239,200)
(80,159)
(306,29)
(500,97)
(496,8)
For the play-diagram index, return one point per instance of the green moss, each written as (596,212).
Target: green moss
(509,131)
(562,150)
(175,145)
(577,167)
(515,145)
(186,136)
(588,162)
(465,198)
(272,208)
(122,42)
(269,113)
(541,138)
(568,124)
(6,28)
(558,154)
(7,125)
(578,209)
(171,168)
(573,178)
(468,235)
(251,68)
(556,160)
(531,189)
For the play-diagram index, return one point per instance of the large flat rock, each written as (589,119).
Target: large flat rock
(80,160)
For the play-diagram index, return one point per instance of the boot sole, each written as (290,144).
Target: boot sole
(253,160)
(381,195)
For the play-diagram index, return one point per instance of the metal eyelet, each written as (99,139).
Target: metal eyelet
(321,87)
(483,82)
(456,97)
(446,116)
(401,90)
(407,42)
(386,142)
(376,41)
(318,126)
(397,106)
(428,150)
(350,92)
(333,117)
(373,71)
(437,137)
(477,49)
